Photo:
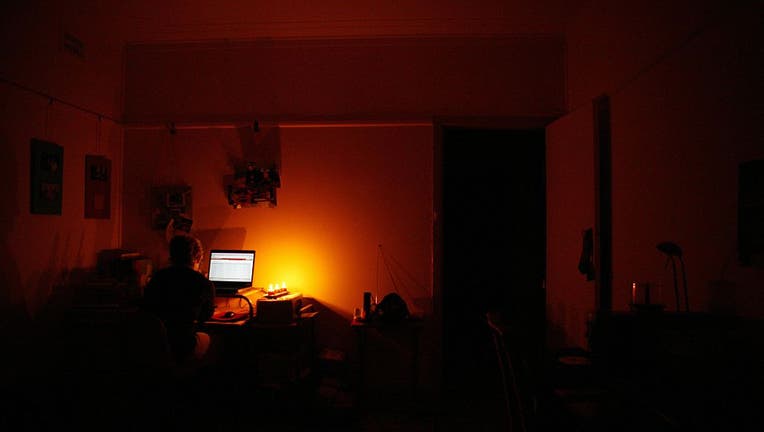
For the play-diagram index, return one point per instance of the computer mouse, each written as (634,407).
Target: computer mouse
(229,314)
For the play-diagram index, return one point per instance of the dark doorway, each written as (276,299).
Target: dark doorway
(494,242)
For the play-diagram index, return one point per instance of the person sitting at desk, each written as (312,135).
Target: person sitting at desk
(182,298)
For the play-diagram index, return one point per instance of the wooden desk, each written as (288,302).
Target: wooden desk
(241,303)
(271,354)
(408,331)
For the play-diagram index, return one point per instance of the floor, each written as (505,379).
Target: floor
(69,383)
(111,402)
(102,400)
(56,392)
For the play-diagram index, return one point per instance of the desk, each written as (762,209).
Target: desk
(274,354)
(407,331)
(241,303)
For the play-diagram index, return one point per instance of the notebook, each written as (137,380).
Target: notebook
(231,269)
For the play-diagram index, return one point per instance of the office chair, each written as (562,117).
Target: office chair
(158,387)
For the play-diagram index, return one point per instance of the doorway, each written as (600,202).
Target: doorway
(493,242)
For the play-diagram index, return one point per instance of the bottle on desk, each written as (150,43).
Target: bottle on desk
(366,306)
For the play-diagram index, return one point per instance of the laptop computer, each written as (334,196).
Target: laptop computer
(231,269)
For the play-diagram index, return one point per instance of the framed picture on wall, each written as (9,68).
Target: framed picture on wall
(97,187)
(171,203)
(47,177)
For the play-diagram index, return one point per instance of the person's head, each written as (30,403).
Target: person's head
(186,250)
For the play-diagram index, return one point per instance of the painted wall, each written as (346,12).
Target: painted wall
(33,54)
(609,44)
(39,254)
(683,117)
(345,190)
(569,212)
(237,20)
(40,250)
(389,79)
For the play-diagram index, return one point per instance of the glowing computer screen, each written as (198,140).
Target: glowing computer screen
(231,269)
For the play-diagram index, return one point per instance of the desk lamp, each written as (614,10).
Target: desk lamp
(673,250)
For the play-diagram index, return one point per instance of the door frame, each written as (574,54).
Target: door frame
(439,125)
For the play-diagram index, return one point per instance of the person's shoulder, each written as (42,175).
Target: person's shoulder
(193,274)
(172,272)
(179,272)
(199,275)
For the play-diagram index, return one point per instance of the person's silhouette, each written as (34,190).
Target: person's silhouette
(182,297)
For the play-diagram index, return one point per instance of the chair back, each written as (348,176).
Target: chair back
(519,397)
(147,346)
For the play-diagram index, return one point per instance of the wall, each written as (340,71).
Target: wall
(569,212)
(608,43)
(684,99)
(345,190)
(389,79)
(40,253)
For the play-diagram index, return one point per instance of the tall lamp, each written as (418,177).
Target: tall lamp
(673,250)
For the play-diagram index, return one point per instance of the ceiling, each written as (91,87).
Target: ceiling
(150,21)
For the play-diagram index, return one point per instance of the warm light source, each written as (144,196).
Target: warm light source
(276,289)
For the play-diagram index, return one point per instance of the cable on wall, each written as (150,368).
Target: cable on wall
(52,99)
(665,55)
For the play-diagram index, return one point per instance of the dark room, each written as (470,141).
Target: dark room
(488,215)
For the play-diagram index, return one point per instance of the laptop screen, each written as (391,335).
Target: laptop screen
(231,269)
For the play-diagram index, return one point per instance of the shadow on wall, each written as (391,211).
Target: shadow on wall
(228,238)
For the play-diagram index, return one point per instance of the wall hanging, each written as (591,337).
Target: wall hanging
(171,203)
(97,187)
(253,186)
(47,177)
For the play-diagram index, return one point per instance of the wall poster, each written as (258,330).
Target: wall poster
(97,187)
(47,177)
(171,203)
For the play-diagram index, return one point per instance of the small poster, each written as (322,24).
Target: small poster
(97,187)
(171,203)
(47,177)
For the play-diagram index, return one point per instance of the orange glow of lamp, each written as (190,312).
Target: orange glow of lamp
(276,290)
